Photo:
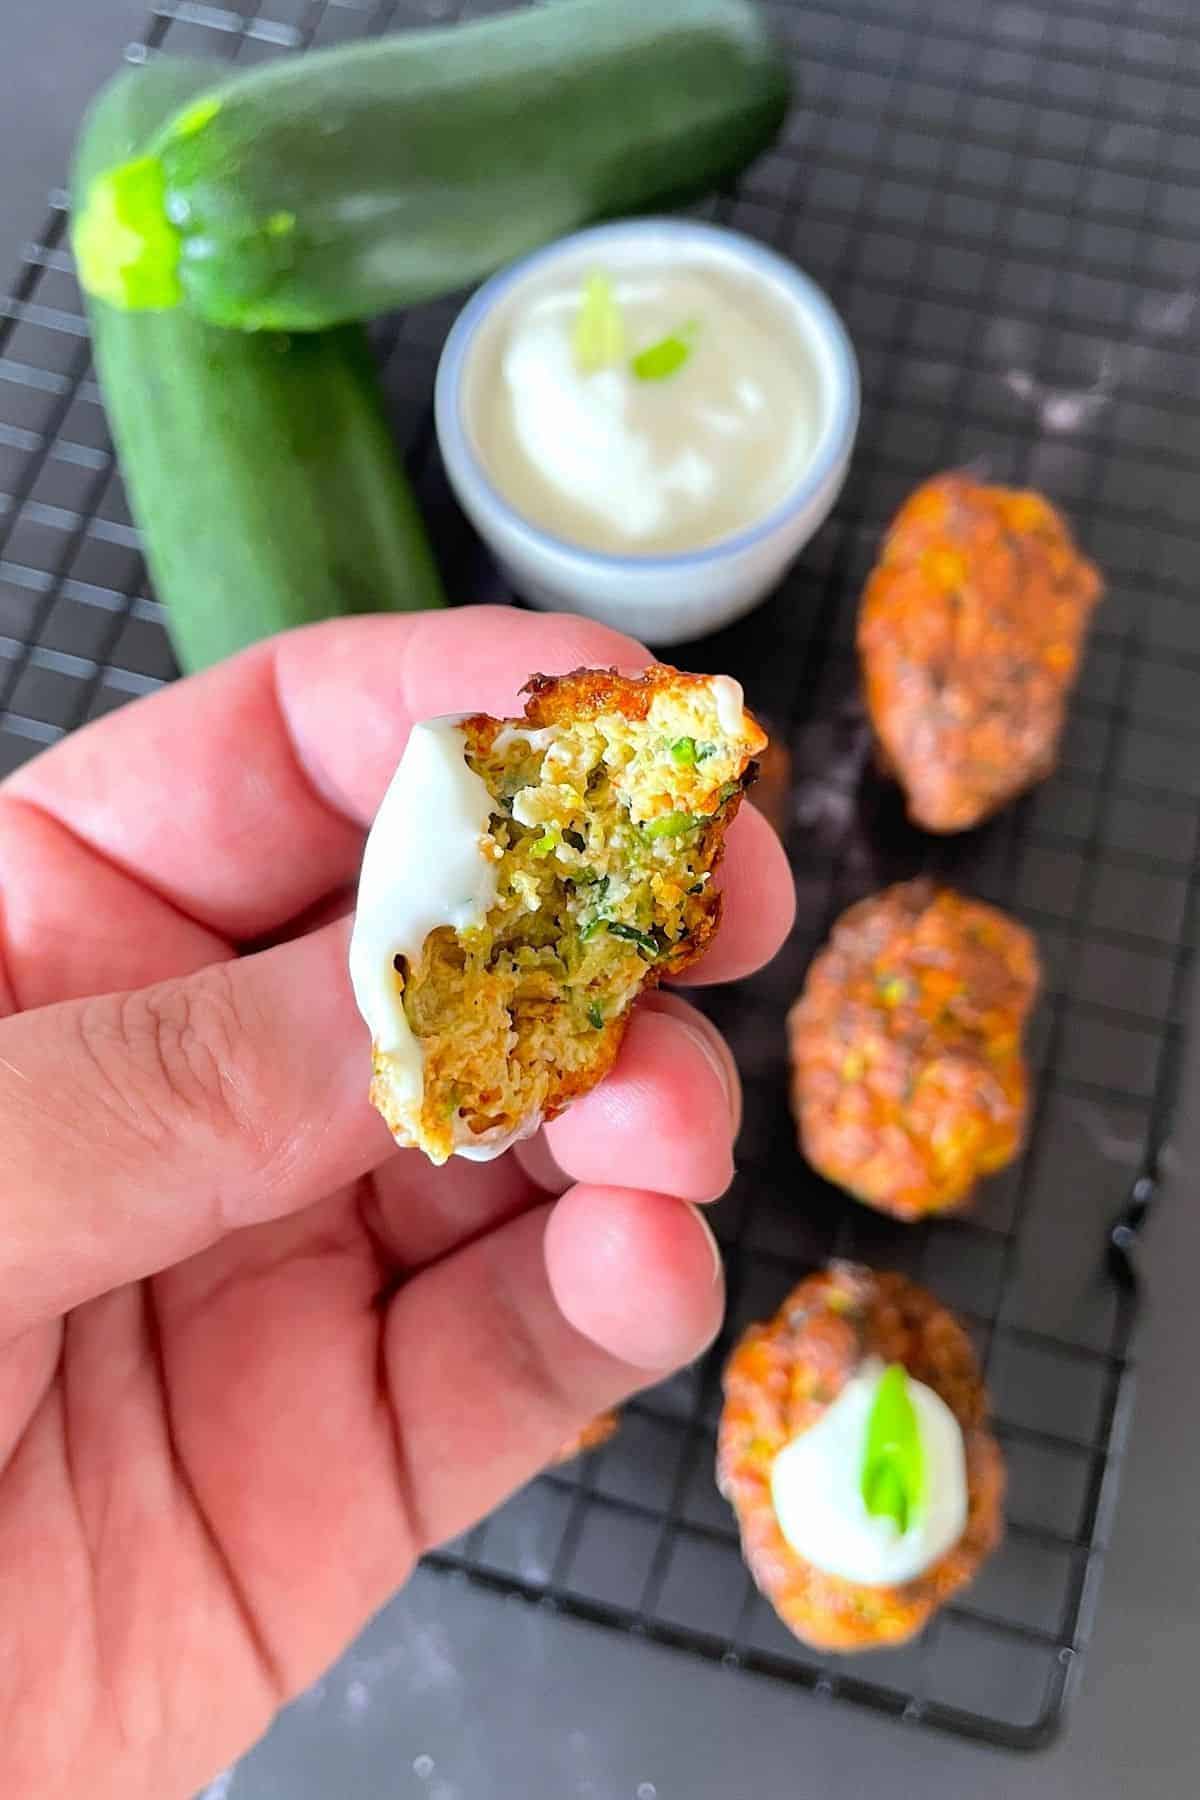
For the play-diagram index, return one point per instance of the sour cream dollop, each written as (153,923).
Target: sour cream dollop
(633,464)
(815,1486)
(427,863)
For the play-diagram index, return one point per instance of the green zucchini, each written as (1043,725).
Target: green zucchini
(259,469)
(339,185)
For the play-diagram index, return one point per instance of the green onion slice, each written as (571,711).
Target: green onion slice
(632,935)
(598,339)
(659,361)
(893,1471)
(671,825)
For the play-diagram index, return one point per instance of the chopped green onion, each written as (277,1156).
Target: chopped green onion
(671,825)
(885,1495)
(598,340)
(595,1016)
(591,928)
(683,751)
(893,1471)
(632,935)
(549,840)
(658,362)
(704,751)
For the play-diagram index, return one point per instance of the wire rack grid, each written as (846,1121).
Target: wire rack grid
(1000,199)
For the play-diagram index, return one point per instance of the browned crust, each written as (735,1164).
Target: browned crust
(585,693)
(779,1380)
(909,1026)
(569,1085)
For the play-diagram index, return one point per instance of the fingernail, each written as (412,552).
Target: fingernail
(718,1064)
(714,1247)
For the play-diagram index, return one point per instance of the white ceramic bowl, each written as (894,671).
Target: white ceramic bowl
(664,598)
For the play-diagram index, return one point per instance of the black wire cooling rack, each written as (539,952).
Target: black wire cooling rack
(1001,199)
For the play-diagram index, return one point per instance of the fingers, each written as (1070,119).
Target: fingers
(240,795)
(497,1355)
(303,1418)
(73,925)
(603,1242)
(760,903)
(139,1127)
(664,1119)
(270,1348)
(197,793)
(28,1368)
(667,1115)
(719,1055)
(472,658)
(418,1213)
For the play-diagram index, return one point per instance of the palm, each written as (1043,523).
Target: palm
(213,1470)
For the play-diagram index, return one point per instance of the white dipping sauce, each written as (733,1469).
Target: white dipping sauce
(815,1486)
(426,864)
(730,700)
(620,464)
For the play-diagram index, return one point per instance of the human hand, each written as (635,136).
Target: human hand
(253,1358)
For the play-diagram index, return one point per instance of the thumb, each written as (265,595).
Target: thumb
(139,1127)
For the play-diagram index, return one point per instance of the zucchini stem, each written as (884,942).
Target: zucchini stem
(126,248)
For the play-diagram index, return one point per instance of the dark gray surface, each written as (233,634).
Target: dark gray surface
(455,1694)
(53,55)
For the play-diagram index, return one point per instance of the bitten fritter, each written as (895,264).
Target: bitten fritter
(970,636)
(598,1432)
(779,1381)
(612,797)
(908,1080)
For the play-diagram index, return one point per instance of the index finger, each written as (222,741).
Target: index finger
(241,795)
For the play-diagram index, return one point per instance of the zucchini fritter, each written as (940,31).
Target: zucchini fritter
(611,799)
(780,1379)
(970,637)
(908,1081)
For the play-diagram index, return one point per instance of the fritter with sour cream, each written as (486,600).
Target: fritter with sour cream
(525,880)
(784,1379)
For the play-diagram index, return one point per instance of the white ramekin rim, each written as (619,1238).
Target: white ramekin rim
(819,317)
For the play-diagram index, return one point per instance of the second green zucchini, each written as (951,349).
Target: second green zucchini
(260,470)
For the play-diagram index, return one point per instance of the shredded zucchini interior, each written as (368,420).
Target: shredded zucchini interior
(602,831)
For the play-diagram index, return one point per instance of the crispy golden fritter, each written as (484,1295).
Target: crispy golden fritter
(612,798)
(970,636)
(781,1378)
(908,1081)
